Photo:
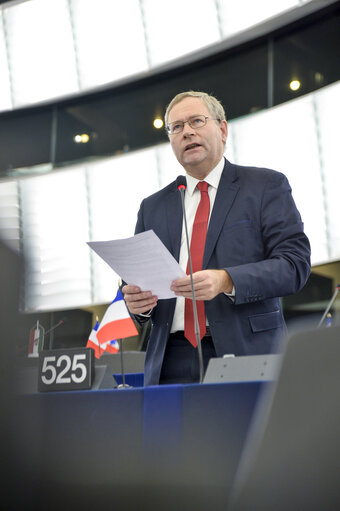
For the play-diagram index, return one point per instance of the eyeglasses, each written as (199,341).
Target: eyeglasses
(195,122)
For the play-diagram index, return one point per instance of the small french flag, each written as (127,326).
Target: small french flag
(99,349)
(116,322)
(94,343)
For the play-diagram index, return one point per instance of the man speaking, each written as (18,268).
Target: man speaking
(247,247)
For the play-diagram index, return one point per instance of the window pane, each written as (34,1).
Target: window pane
(327,105)
(10,214)
(284,138)
(5,92)
(242,14)
(109,40)
(55,231)
(41,50)
(179,27)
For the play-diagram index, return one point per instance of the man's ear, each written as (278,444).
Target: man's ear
(224,130)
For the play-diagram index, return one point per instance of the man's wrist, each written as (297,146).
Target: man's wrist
(227,285)
(232,293)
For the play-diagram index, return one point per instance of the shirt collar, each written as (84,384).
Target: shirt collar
(213,178)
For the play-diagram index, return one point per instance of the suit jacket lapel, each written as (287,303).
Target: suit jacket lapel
(225,196)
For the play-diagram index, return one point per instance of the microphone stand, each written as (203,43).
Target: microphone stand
(329,305)
(123,385)
(197,328)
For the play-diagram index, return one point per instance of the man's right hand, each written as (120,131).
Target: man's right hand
(137,301)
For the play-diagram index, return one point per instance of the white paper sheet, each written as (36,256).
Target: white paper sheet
(143,261)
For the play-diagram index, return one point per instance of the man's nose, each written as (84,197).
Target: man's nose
(187,129)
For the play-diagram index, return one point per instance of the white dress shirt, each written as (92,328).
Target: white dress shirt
(191,201)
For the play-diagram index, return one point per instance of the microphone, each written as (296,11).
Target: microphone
(60,322)
(181,184)
(337,289)
(31,343)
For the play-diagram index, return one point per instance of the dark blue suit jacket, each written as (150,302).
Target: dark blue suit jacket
(256,234)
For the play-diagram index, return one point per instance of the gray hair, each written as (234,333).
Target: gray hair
(214,106)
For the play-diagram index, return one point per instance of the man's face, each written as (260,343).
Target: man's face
(197,150)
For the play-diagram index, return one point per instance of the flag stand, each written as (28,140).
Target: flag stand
(123,385)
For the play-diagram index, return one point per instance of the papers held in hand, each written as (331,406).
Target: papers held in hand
(141,260)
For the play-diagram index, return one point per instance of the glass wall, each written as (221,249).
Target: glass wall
(51,48)
(52,217)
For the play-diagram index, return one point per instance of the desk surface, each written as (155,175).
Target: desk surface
(162,439)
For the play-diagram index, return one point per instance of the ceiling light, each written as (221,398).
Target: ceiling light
(294,85)
(81,139)
(158,123)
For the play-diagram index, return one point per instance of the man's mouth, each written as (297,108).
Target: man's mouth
(191,146)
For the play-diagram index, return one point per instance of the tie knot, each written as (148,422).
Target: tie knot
(202,186)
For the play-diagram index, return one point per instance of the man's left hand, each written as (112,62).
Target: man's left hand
(207,284)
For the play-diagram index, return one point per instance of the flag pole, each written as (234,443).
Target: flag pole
(99,347)
(120,342)
(123,385)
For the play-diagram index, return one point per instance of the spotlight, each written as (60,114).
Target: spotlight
(294,85)
(158,123)
(81,139)
(85,138)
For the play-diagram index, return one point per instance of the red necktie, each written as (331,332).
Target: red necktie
(199,234)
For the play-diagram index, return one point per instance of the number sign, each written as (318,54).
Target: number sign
(70,369)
